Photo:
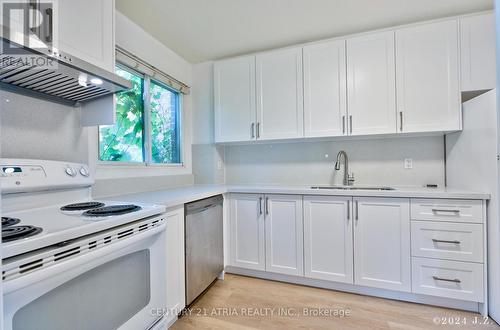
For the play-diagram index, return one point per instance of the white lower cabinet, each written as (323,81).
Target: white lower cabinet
(176,285)
(266,233)
(451,279)
(247,240)
(284,234)
(382,243)
(363,241)
(328,240)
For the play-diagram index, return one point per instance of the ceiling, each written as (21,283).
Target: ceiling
(201,30)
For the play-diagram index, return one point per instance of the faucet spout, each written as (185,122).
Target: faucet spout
(342,155)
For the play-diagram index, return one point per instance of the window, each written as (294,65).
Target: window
(147,128)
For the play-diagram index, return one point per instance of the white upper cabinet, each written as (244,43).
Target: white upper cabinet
(328,249)
(247,245)
(371,100)
(382,243)
(325,107)
(86,30)
(427,69)
(477,43)
(280,109)
(234,99)
(284,234)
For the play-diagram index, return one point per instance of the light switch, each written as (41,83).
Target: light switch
(408,163)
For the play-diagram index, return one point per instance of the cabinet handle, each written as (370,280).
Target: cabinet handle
(48,12)
(357,211)
(455,280)
(350,123)
(343,124)
(401,121)
(252,130)
(445,241)
(260,205)
(348,210)
(267,205)
(442,210)
(258,130)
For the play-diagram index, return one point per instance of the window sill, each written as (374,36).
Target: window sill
(109,170)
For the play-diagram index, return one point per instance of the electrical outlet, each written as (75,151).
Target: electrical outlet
(219,164)
(408,163)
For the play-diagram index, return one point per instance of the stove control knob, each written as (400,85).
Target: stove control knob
(70,171)
(84,171)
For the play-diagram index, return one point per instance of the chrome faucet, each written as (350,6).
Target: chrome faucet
(348,179)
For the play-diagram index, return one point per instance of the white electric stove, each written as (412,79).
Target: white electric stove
(57,242)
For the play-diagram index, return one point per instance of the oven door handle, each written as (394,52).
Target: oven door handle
(78,262)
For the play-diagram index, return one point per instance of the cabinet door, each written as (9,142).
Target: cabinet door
(477,49)
(371,86)
(280,108)
(175,262)
(328,238)
(234,99)
(427,72)
(325,107)
(247,231)
(284,234)
(86,30)
(382,243)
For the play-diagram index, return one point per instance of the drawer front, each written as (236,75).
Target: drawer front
(449,279)
(446,240)
(447,210)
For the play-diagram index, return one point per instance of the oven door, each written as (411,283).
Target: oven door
(118,286)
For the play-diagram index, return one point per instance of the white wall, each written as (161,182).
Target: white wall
(374,161)
(208,166)
(32,128)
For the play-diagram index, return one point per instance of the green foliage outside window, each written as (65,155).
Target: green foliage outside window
(124,141)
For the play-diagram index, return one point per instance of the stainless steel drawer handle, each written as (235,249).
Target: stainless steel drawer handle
(445,241)
(252,130)
(260,205)
(443,210)
(455,280)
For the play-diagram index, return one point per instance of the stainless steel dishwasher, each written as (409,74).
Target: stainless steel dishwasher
(204,247)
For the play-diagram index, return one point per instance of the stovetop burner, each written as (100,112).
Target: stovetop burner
(8,221)
(82,206)
(13,233)
(111,210)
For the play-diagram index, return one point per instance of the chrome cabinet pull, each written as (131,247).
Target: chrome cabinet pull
(357,211)
(258,130)
(442,210)
(267,205)
(348,210)
(343,124)
(252,130)
(455,280)
(445,241)
(260,205)
(350,123)
(401,121)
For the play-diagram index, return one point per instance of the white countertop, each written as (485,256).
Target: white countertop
(178,196)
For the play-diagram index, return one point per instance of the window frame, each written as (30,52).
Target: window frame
(147,139)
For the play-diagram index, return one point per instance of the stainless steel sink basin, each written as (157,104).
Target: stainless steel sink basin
(378,188)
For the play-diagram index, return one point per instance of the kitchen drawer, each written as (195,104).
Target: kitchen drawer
(447,210)
(449,279)
(446,240)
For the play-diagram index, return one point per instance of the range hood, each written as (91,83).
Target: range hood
(68,80)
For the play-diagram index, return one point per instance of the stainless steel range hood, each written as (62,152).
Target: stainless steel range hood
(68,80)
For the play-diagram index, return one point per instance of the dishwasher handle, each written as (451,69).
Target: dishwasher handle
(203,205)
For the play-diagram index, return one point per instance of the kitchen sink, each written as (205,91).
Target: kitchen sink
(378,188)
